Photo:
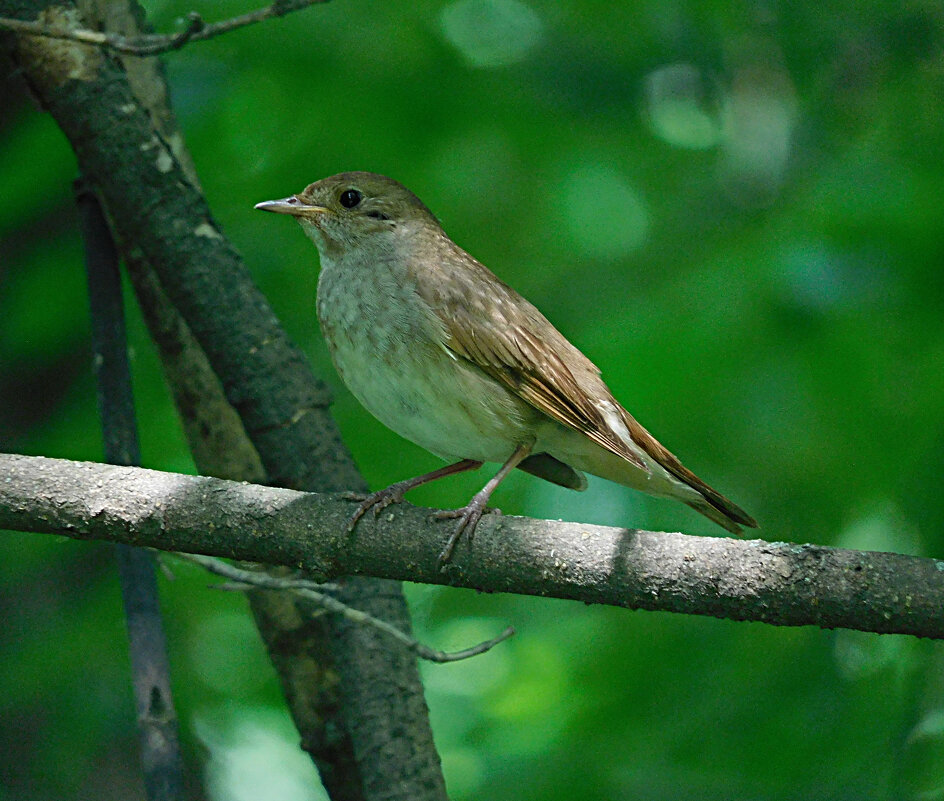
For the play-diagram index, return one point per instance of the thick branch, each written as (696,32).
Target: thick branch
(221,448)
(380,716)
(778,583)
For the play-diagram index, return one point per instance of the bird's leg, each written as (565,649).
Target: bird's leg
(395,492)
(470,514)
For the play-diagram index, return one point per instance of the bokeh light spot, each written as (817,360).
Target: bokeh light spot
(603,214)
(491,33)
(678,110)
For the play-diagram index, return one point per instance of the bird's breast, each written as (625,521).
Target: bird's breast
(387,345)
(370,310)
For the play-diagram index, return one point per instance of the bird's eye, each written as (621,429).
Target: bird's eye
(350,198)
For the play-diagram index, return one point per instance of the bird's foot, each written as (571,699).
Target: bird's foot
(378,501)
(395,492)
(468,517)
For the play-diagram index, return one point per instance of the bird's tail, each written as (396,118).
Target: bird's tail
(706,500)
(720,510)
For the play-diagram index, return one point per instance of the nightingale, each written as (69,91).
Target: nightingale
(436,347)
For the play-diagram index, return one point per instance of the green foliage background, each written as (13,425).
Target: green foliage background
(734,208)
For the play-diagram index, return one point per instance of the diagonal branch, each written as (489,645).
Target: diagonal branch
(778,583)
(154,44)
(372,738)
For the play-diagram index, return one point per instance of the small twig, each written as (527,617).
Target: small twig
(155,44)
(248,579)
(242,586)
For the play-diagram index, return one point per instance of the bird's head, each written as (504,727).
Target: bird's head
(351,209)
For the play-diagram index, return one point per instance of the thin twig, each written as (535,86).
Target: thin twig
(155,44)
(315,592)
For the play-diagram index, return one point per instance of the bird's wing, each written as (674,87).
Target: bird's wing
(486,322)
(489,324)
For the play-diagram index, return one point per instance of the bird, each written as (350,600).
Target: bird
(445,354)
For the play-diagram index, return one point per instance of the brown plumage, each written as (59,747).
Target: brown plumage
(444,353)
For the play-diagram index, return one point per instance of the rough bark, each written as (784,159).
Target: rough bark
(156,209)
(778,583)
(296,641)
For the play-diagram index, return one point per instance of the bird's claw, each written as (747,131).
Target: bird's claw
(469,517)
(378,501)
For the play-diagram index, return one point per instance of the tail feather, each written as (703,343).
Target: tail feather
(711,503)
(723,512)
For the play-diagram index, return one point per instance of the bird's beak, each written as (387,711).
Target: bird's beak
(291,205)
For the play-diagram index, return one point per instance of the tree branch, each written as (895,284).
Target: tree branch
(320,595)
(221,448)
(375,741)
(154,44)
(161,760)
(778,583)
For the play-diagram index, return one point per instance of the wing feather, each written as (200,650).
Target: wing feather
(487,323)
(510,340)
